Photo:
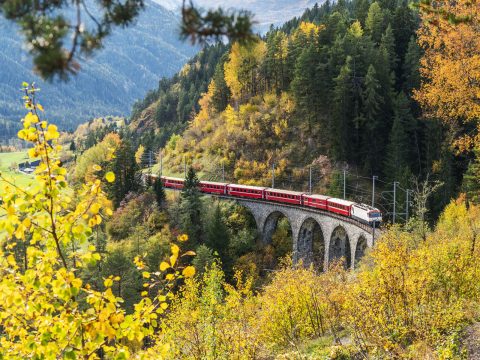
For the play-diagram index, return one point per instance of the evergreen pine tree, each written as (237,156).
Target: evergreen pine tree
(159,192)
(372,103)
(129,286)
(307,85)
(294,49)
(204,259)
(191,209)
(217,234)
(471,179)
(361,8)
(335,188)
(221,96)
(411,66)
(403,25)
(274,60)
(397,162)
(375,22)
(387,44)
(342,112)
(126,172)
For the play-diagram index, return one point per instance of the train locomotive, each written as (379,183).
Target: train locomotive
(362,212)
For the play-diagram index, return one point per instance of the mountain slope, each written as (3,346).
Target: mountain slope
(132,61)
(266,12)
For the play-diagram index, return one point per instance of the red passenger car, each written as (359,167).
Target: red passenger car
(253,192)
(340,206)
(172,183)
(316,201)
(211,187)
(284,196)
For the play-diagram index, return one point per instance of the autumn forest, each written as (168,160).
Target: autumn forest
(100,259)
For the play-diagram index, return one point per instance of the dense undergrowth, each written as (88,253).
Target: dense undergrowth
(409,299)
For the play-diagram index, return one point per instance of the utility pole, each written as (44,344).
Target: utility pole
(149,164)
(395,183)
(373,189)
(223,171)
(161,162)
(184,167)
(373,233)
(406,206)
(273,175)
(344,184)
(310,181)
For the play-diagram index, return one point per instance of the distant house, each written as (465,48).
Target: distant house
(28,167)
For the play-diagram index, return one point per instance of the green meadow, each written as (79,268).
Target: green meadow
(16,177)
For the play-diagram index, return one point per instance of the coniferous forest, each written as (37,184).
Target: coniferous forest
(334,86)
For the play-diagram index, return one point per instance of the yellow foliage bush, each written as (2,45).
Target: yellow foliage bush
(413,290)
(212,320)
(46,310)
(299,304)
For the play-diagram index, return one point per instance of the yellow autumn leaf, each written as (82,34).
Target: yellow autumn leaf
(94,208)
(164,266)
(189,253)
(110,177)
(52,132)
(29,119)
(27,222)
(92,222)
(108,282)
(182,238)
(11,260)
(175,249)
(32,153)
(173,259)
(189,271)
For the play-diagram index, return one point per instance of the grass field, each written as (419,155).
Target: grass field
(18,178)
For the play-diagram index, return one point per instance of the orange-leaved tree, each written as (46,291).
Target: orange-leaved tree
(450,36)
(46,310)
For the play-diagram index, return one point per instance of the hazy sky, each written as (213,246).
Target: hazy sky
(266,11)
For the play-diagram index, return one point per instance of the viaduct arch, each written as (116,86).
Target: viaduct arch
(319,237)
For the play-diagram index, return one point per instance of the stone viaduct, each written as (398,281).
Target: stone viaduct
(318,236)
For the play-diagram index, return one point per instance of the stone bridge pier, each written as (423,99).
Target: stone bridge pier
(318,237)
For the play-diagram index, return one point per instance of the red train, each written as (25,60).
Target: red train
(361,212)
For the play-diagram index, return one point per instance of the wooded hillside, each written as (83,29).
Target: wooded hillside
(330,89)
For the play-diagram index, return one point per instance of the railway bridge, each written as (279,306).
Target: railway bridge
(318,236)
